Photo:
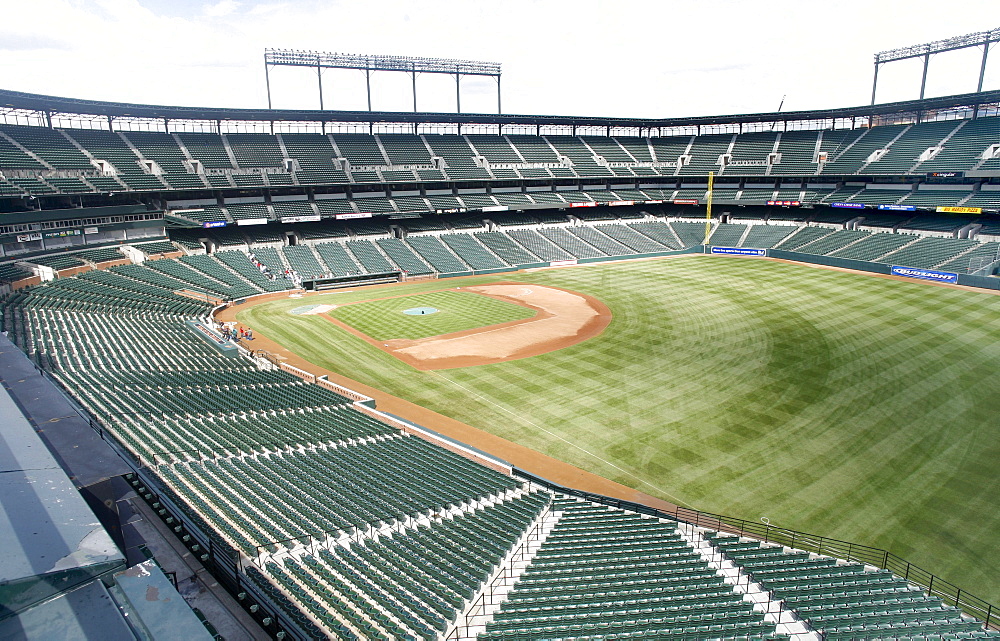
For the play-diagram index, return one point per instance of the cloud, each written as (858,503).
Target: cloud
(221,8)
(31,42)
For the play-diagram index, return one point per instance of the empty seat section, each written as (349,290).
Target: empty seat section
(571,243)
(404,257)
(432,250)
(338,259)
(766,236)
(538,245)
(302,259)
(727,234)
(369,257)
(504,247)
(316,159)
(472,252)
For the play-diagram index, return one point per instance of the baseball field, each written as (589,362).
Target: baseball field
(836,403)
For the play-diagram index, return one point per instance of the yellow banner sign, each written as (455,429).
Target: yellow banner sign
(960,210)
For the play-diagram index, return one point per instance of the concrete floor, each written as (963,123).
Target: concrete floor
(195,584)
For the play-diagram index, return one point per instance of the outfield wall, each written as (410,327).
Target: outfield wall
(969,280)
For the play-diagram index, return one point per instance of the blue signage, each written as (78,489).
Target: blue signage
(739,251)
(214,223)
(848,205)
(925,274)
(898,207)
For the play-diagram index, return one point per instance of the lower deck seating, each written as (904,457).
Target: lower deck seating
(570,243)
(432,250)
(605,571)
(766,236)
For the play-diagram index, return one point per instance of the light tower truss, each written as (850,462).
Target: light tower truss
(979,39)
(412,65)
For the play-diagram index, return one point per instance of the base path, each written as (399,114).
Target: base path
(562,318)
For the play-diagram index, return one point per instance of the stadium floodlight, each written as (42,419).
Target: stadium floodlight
(369,63)
(926,50)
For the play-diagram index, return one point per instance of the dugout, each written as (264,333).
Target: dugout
(336,282)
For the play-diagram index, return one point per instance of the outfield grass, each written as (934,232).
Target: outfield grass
(835,403)
(457,311)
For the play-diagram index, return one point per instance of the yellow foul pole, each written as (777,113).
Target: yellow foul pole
(708,209)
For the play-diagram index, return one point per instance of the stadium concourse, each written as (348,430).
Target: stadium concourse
(329,519)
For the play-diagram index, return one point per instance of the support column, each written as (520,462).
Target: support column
(874,83)
(982,74)
(319,77)
(500,111)
(267,81)
(923,79)
(414,77)
(368,87)
(166,126)
(458,92)
(982,68)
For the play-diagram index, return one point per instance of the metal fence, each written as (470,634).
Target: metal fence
(934,585)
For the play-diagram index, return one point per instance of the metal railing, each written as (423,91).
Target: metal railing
(932,584)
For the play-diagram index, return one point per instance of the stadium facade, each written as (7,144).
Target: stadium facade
(121,221)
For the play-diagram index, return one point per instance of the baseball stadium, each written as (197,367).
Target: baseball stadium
(444,376)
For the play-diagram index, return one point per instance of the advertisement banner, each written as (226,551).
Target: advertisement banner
(619,203)
(784,203)
(312,218)
(591,204)
(214,223)
(959,210)
(562,263)
(496,208)
(27,238)
(254,221)
(62,233)
(653,202)
(739,251)
(347,216)
(897,207)
(848,205)
(925,274)
(685,201)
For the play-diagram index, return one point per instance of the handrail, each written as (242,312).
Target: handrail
(934,585)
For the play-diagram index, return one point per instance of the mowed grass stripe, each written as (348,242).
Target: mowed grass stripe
(840,404)
(457,311)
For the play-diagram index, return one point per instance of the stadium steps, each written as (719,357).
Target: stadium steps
(364,253)
(787,621)
(436,253)
(802,236)
(469,625)
(203,268)
(883,256)
(141,157)
(887,145)
(285,156)
(25,150)
(841,599)
(539,245)
(941,143)
(975,250)
(848,147)
(659,232)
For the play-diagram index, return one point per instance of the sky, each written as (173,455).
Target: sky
(653,58)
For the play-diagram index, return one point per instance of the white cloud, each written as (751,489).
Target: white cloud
(221,8)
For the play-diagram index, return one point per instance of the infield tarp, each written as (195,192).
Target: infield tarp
(925,274)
